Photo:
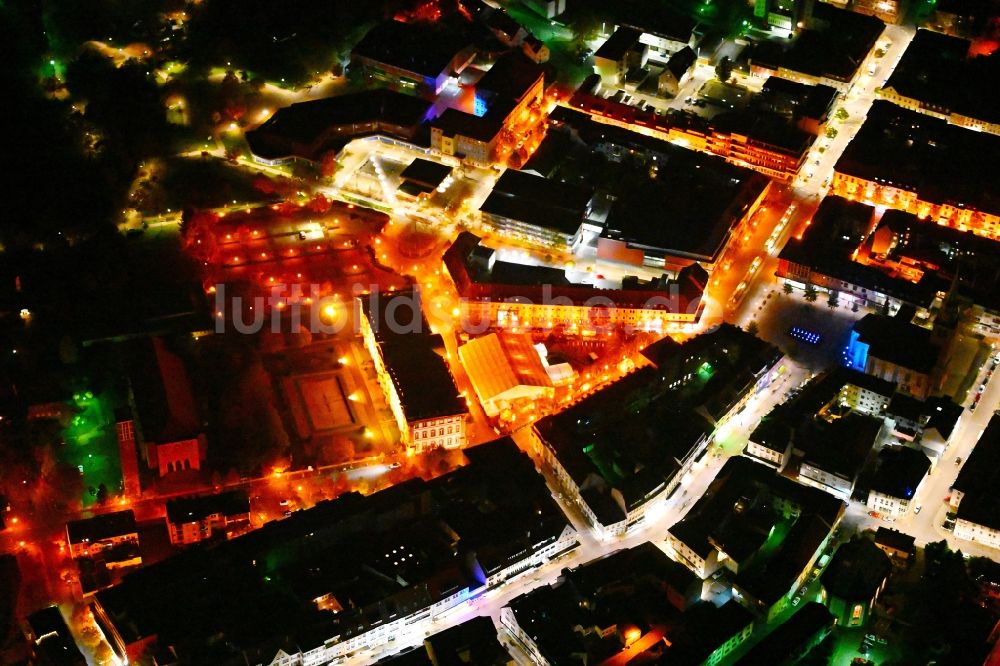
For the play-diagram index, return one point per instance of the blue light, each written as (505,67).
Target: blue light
(857,352)
(480,106)
(804,335)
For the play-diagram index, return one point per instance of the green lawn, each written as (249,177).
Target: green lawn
(92,445)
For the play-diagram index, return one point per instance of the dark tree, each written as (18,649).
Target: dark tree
(724,70)
(55,191)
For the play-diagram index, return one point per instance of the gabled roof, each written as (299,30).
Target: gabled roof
(937,70)
(689,209)
(511,76)
(425,49)
(979,479)
(743,490)
(792,637)
(857,570)
(540,201)
(103,526)
(192,509)
(898,341)
(808,101)
(425,172)
(681,62)
(503,23)
(301,128)
(655,18)
(491,372)
(894,539)
(164,398)
(53,638)
(907,407)
(618,44)
(419,373)
(772,433)
(944,415)
(927,155)
(481,128)
(900,471)
(834,49)
(840,447)
(473,642)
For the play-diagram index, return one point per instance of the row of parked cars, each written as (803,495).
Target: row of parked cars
(982,387)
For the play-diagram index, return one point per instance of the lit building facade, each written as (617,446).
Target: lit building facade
(973,495)
(890,11)
(554,302)
(420,549)
(410,57)
(897,352)
(415,382)
(953,117)
(755,153)
(884,193)
(505,98)
(923,165)
(973,531)
(899,473)
(887,505)
(194,519)
(817,477)
(92,536)
(505,373)
(579,317)
(770,442)
(763,451)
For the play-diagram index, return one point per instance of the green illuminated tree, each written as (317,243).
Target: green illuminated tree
(787,288)
(811,293)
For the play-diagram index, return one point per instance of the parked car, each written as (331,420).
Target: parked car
(958,461)
(917,509)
